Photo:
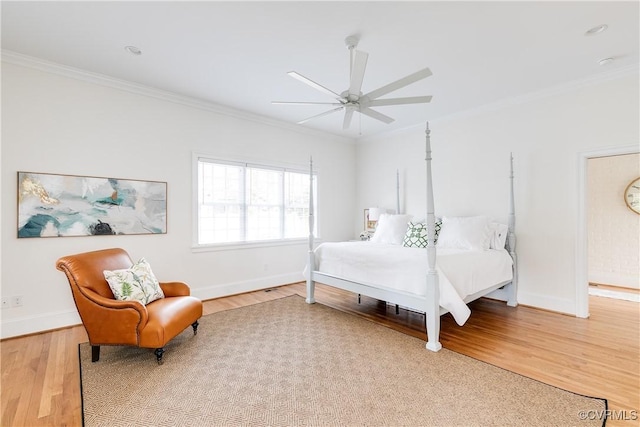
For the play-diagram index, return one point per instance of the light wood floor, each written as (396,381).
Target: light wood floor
(598,356)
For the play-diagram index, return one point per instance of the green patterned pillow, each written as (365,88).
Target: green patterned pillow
(137,283)
(416,236)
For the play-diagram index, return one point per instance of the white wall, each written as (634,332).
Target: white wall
(614,229)
(52,123)
(546,134)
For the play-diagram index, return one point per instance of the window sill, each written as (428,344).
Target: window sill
(250,245)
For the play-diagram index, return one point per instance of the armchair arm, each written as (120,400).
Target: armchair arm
(110,321)
(114,303)
(175,289)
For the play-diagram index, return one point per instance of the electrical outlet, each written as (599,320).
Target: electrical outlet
(16,301)
(5,302)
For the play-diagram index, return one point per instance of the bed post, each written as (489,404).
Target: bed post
(512,300)
(398,191)
(398,213)
(433,287)
(311,266)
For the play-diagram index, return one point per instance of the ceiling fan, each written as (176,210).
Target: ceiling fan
(352,99)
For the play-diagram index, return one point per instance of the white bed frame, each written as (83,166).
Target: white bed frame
(428,304)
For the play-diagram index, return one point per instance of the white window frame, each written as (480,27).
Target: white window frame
(198,247)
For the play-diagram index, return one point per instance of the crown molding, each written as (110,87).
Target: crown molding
(552,91)
(19,59)
(561,89)
(104,80)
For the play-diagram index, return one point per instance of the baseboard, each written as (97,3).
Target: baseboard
(560,305)
(55,320)
(618,281)
(42,322)
(234,288)
(48,321)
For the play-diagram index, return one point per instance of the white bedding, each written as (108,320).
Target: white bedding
(461,272)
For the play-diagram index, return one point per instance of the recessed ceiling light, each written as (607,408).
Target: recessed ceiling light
(596,30)
(606,61)
(133,50)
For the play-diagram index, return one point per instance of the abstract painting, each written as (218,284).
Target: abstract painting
(51,205)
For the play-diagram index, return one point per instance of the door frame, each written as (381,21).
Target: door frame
(582,254)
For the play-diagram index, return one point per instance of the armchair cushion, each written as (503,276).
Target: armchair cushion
(137,283)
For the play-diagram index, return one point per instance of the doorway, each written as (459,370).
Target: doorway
(582,240)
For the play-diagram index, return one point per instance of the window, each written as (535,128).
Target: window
(239,202)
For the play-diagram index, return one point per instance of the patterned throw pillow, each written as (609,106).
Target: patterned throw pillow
(416,236)
(137,283)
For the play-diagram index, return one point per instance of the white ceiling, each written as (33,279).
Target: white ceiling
(237,54)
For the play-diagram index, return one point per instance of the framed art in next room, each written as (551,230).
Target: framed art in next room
(369,225)
(632,195)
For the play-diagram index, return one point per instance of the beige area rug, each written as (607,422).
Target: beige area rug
(287,363)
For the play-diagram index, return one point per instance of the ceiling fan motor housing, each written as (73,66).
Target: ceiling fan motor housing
(351,42)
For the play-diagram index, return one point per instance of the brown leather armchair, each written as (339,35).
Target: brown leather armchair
(112,322)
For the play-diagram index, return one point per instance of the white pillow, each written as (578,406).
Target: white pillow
(498,235)
(391,229)
(137,283)
(472,233)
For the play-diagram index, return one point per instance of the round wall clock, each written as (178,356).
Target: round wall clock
(632,195)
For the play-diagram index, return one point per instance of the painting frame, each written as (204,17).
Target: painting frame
(61,205)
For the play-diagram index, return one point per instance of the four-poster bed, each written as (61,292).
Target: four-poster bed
(396,274)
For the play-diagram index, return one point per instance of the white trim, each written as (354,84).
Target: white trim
(582,275)
(234,288)
(104,80)
(64,319)
(139,89)
(246,161)
(548,92)
(194,198)
(560,305)
(517,100)
(39,323)
(248,245)
(284,167)
(617,280)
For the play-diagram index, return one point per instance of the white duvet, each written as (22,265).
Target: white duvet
(461,272)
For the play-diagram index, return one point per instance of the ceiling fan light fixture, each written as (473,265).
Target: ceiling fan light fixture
(596,30)
(133,50)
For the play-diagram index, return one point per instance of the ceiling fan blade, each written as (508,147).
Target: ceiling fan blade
(320,115)
(348,114)
(314,85)
(376,115)
(398,84)
(304,103)
(397,101)
(357,72)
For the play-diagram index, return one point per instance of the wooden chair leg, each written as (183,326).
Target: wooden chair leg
(95,353)
(158,352)
(195,327)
